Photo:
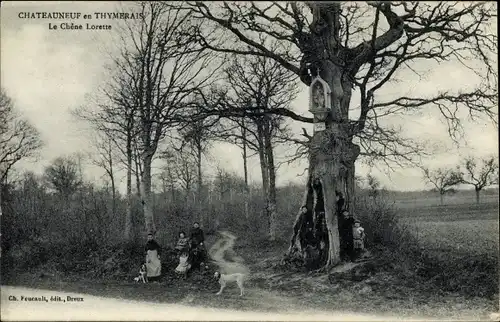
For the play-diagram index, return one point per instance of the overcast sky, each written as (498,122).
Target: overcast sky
(47,73)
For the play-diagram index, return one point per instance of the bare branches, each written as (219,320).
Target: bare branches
(443,179)
(249,24)
(480,172)
(440,33)
(449,105)
(364,52)
(374,44)
(257,86)
(105,154)
(62,176)
(387,145)
(218,103)
(18,138)
(179,169)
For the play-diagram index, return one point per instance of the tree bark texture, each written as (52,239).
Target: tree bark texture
(263,163)
(147,203)
(128,214)
(245,167)
(271,195)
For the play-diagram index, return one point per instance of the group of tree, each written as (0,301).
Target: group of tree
(18,139)
(190,72)
(154,106)
(477,172)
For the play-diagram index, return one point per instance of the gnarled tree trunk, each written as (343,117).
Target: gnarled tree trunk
(332,152)
(332,157)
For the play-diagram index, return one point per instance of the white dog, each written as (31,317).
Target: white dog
(225,278)
(142,274)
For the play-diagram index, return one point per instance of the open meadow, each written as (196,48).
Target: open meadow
(461,225)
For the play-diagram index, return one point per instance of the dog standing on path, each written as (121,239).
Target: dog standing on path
(223,279)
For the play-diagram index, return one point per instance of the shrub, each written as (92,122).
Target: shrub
(383,229)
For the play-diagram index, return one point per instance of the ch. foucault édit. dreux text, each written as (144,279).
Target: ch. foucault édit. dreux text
(43,298)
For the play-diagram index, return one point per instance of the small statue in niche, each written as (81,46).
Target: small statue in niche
(318,95)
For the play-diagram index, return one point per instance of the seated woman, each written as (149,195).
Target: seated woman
(184,264)
(183,243)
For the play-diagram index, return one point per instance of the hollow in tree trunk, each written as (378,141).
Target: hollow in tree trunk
(332,158)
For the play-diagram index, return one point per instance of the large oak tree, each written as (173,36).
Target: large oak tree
(359,48)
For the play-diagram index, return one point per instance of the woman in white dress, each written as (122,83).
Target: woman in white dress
(153,263)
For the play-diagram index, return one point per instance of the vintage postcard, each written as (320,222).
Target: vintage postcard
(249,161)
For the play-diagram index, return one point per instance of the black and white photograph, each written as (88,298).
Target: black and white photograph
(249,161)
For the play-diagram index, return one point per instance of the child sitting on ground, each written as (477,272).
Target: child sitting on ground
(184,265)
(358,234)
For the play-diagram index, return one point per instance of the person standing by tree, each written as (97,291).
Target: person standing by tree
(339,210)
(340,202)
(358,234)
(153,263)
(346,237)
(197,236)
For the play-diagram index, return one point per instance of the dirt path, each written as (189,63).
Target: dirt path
(262,298)
(226,243)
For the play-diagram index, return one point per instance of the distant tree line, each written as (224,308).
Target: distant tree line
(477,172)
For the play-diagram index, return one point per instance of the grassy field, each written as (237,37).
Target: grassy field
(461,228)
(418,199)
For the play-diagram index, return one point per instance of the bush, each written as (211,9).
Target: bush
(383,229)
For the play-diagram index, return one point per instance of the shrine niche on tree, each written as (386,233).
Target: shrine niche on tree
(356,48)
